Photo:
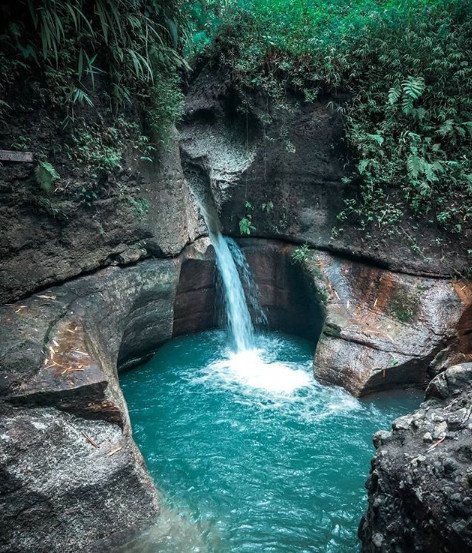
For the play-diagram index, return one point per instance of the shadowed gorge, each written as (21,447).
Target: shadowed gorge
(235,276)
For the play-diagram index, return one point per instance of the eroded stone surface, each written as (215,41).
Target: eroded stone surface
(38,249)
(383,329)
(290,172)
(67,483)
(420,485)
(379,330)
(71,477)
(196,297)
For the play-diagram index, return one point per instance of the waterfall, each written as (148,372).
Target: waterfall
(237,313)
(229,258)
(249,285)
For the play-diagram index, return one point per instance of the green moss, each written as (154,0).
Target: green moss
(331,329)
(404,304)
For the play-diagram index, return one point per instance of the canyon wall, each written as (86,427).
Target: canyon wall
(393,308)
(97,287)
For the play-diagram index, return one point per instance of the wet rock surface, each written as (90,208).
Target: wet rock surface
(71,477)
(285,293)
(85,238)
(375,330)
(420,485)
(68,483)
(382,329)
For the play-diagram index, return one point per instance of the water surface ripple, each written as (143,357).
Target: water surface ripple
(250,452)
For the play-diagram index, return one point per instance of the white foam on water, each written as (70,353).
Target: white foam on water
(249,370)
(344,402)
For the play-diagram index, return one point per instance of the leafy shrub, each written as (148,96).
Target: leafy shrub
(245,223)
(46,175)
(246,226)
(74,43)
(405,69)
(300,254)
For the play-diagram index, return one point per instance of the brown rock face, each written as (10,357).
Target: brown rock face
(285,293)
(382,329)
(86,238)
(195,301)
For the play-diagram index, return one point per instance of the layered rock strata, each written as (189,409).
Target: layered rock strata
(71,477)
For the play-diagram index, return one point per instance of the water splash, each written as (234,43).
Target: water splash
(237,312)
(249,284)
(251,370)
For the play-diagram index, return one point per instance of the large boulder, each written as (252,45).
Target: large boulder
(383,329)
(420,485)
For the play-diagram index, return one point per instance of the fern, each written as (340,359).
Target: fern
(414,165)
(46,175)
(394,95)
(413,87)
(377,138)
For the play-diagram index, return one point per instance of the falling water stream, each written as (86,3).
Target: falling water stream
(250,453)
(241,329)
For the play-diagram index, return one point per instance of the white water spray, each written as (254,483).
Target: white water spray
(247,365)
(228,256)
(237,313)
(249,285)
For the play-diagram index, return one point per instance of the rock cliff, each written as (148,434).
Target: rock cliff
(96,288)
(420,496)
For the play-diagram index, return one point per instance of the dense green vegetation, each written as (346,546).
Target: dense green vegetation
(83,84)
(400,71)
(405,67)
(133,45)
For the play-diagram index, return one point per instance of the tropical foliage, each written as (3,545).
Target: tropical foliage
(404,68)
(132,45)
(399,71)
(84,83)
